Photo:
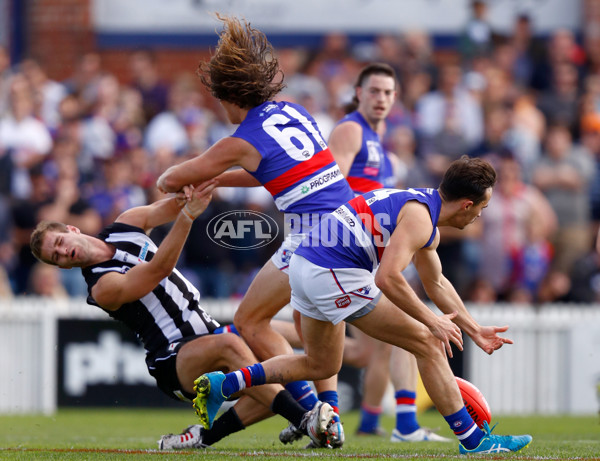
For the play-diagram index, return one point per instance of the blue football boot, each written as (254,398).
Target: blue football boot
(209,397)
(497,443)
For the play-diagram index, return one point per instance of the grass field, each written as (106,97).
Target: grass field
(116,434)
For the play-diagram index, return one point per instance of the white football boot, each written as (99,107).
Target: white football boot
(420,435)
(189,438)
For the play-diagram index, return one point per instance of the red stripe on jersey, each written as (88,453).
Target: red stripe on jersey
(363,185)
(405,401)
(368,218)
(300,171)
(247,377)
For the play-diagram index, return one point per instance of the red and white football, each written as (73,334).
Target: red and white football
(474,401)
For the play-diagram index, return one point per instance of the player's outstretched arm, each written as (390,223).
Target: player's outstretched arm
(217,159)
(412,232)
(237,178)
(115,289)
(148,217)
(444,295)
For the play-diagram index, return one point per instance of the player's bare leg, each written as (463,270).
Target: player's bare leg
(288,331)
(390,324)
(377,375)
(318,337)
(327,392)
(403,369)
(405,375)
(269,292)
(225,352)
(376,362)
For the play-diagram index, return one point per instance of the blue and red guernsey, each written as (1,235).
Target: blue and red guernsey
(367,170)
(297,167)
(356,234)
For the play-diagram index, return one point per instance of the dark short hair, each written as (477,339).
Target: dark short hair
(376,68)
(467,178)
(243,68)
(39,233)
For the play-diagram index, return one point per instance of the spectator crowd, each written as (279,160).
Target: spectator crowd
(85,149)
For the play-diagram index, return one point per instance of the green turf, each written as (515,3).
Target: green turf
(132,434)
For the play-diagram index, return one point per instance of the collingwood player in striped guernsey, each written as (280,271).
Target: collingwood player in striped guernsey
(136,282)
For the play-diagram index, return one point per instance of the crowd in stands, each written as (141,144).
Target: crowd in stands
(85,149)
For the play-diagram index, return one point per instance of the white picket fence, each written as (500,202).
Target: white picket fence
(28,358)
(553,367)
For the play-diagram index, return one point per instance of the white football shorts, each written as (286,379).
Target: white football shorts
(331,295)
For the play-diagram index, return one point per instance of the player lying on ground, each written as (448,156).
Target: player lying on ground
(137,283)
(349,269)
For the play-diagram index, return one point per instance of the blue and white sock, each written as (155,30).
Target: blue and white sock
(465,428)
(369,419)
(254,375)
(406,411)
(331,397)
(302,393)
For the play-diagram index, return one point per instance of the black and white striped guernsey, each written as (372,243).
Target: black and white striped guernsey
(166,314)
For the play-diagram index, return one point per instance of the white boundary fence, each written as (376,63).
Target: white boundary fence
(28,358)
(553,367)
